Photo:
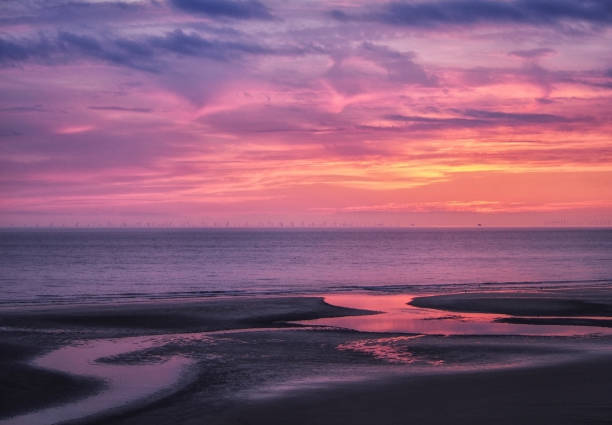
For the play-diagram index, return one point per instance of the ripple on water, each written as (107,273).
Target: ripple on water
(396,315)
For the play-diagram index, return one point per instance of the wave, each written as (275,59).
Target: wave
(380,289)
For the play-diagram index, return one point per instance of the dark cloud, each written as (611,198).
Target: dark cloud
(475,118)
(537,75)
(120,109)
(193,44)
(145,53)
(472,12)
(11,51)
(426,123)
(545,101)
(33,108)
(246,9)
(532,53)
(15,50)
(267,119)
(57,13)
(117,52)
(135,49)
(516,117)
(399,68)
(87,44)
(65,47)
(9,133)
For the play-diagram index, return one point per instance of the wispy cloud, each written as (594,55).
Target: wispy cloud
(183,107)
(120,109)
(437,13)
(236,9)
(145,53)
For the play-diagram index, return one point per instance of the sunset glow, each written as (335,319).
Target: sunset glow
(306,113)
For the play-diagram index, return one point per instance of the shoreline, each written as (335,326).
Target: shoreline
(426,289)
(28,335)
(240,348)
(569,308)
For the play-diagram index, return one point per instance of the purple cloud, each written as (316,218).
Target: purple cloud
(120,109)
(532,53)
(471,12)
(236,9)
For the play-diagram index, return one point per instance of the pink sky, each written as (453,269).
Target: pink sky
(203,112)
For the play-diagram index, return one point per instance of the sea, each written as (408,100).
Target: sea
(49,266)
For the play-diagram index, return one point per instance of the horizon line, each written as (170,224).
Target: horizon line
(289,227)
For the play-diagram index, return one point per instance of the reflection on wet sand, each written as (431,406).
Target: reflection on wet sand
(258,363)
(397,315)
(119,363)
(124,383)
(385,349)
(452,341)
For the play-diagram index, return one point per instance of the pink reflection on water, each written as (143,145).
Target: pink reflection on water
(124,383)
(385,349)
(398,316)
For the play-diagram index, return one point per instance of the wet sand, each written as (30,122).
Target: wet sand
(173,315)
(249,362)
(31,334)
(25,388)
(594,302)
(559,308)
(572,393)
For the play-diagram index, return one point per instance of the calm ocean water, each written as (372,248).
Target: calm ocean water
(95,265)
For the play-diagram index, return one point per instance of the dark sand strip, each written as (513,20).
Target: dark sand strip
(562,321)
(593,303)
(177,315)
(576,393)
(25,388)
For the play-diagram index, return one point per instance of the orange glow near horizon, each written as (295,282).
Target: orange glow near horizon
(378,125)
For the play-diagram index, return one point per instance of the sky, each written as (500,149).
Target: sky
(306,113)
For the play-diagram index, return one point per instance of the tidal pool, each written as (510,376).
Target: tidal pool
(125,384)
(396,315)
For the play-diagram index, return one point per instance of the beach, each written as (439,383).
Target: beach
(267,360)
